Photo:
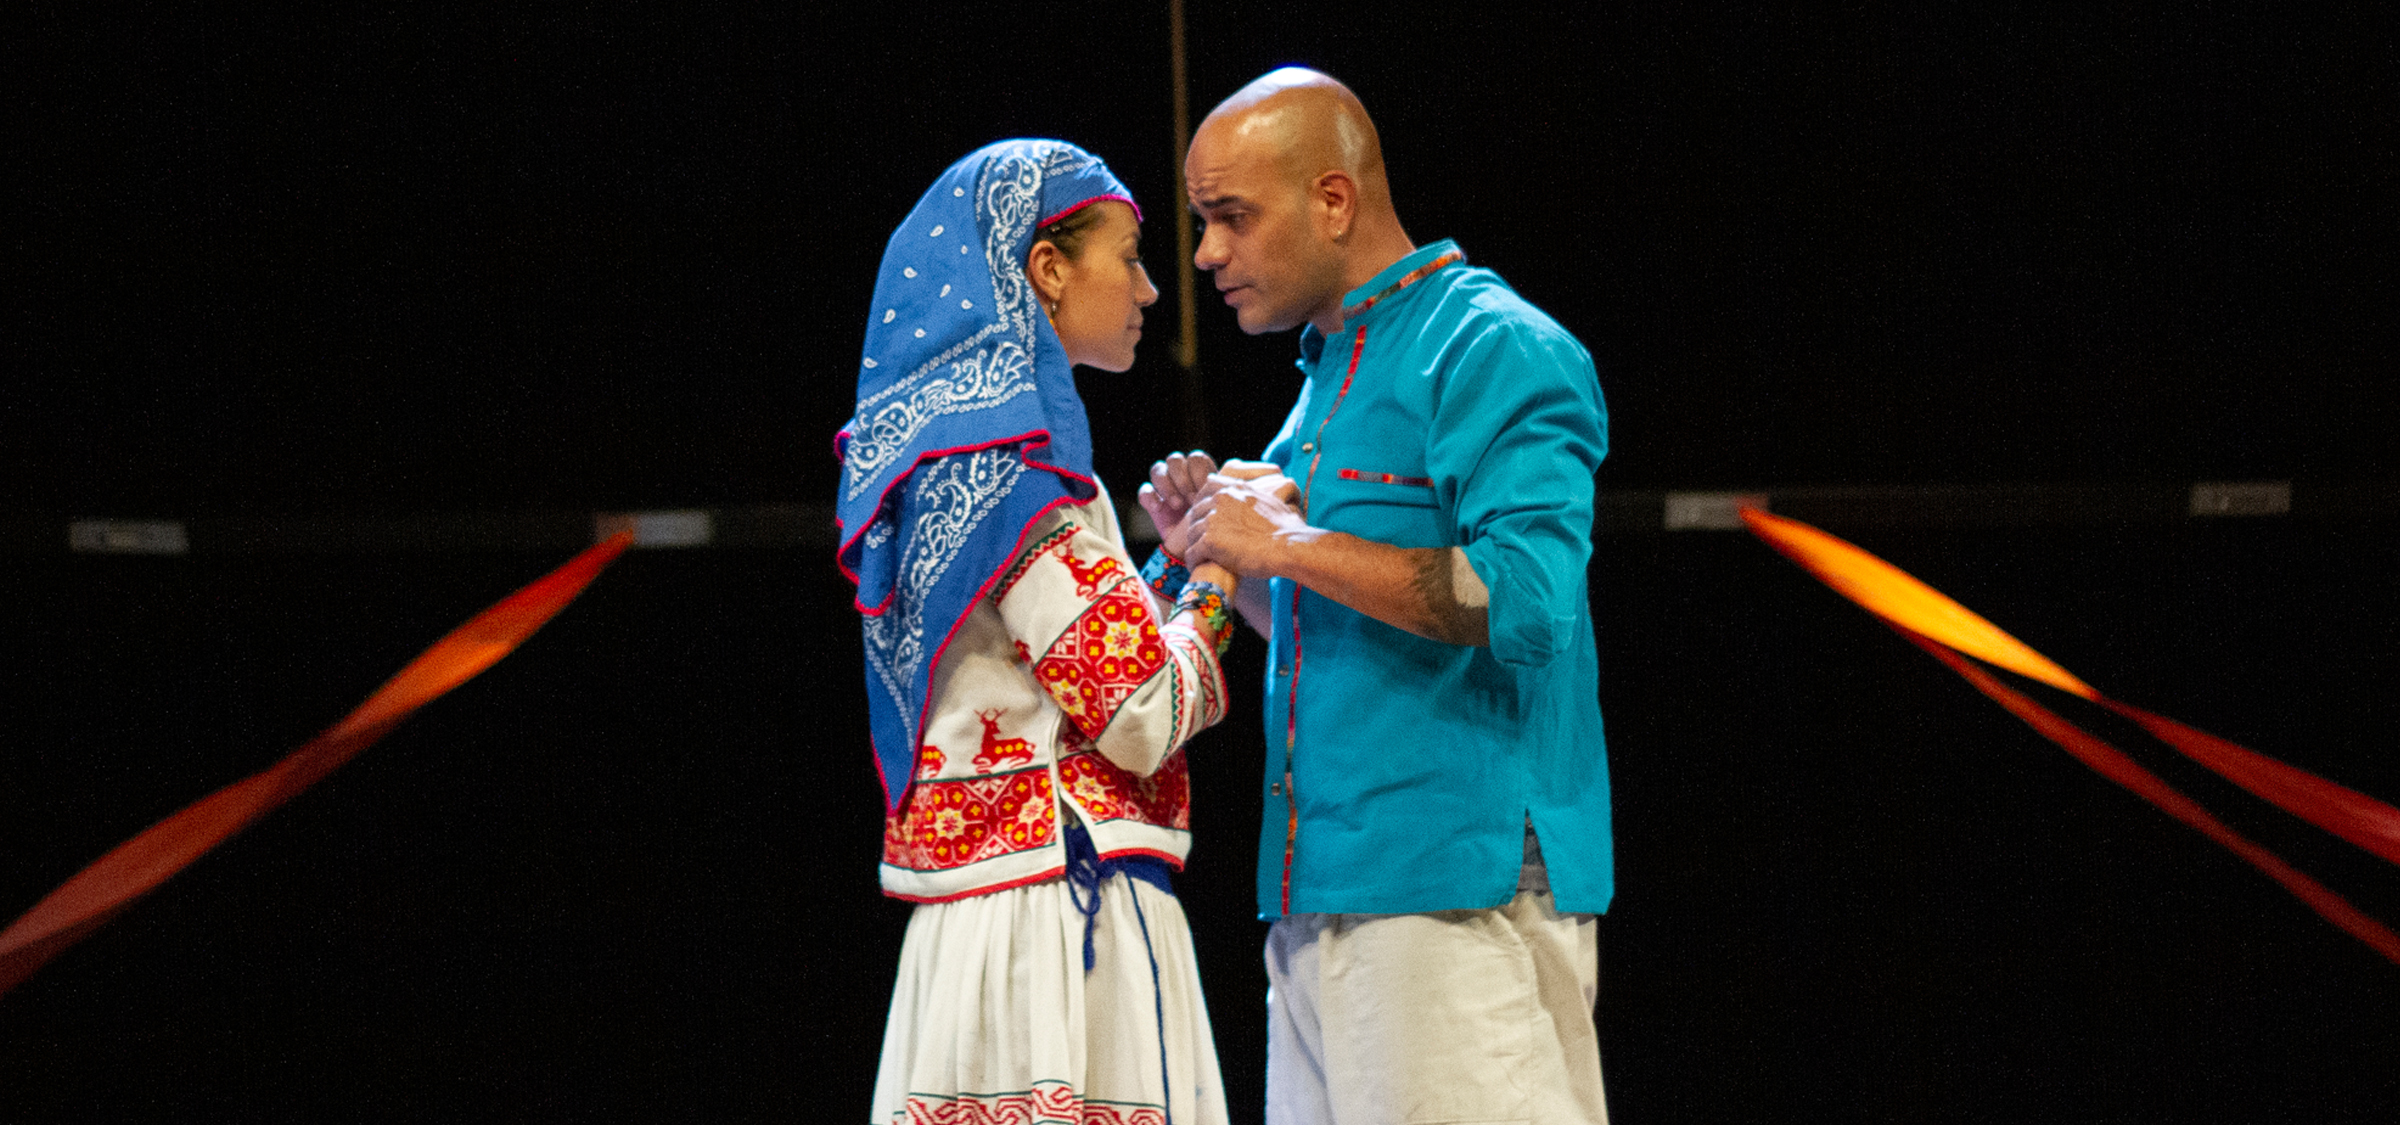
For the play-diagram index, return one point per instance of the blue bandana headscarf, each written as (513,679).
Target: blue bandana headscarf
(968,426)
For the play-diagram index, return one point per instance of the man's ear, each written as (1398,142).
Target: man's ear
(1046,269)
(1335,195)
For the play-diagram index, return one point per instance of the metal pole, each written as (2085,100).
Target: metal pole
(1187,345)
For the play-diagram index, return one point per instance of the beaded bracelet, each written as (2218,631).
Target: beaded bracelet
(1166,575)
(1208,600)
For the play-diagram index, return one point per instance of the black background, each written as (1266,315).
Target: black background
(353,260)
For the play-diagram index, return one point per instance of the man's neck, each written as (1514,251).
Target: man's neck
(1366,261)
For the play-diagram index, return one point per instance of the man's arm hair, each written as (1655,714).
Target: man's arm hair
(1411,588)
(1456,605)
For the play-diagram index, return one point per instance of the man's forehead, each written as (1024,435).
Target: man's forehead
(1209,183)
(1221,170)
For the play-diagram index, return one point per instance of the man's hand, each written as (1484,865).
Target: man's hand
(1263,476)
(1243,526)
(1247,527)
(1176,483)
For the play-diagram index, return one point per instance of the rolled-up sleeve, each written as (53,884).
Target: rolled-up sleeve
(1519,430)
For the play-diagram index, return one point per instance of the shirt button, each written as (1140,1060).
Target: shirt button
(1283,671)
(1308,447)
(1275,790)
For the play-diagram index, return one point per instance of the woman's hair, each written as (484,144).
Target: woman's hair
(1068,232)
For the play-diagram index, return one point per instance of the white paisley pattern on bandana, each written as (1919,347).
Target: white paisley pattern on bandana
(989,377)
(1010,193)
(957,493)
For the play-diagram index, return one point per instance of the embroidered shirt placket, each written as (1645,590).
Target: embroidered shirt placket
(1316,448)
(1291,691)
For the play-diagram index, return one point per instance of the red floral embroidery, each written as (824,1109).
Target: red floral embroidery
(929,761)
(954,823)
(1164,798)
(1045,1104)
(1110,650)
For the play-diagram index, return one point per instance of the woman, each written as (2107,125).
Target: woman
(1028,691)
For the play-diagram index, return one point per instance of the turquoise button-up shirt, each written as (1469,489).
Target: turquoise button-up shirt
(1468,418)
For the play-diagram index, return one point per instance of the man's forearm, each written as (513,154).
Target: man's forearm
(1412,588)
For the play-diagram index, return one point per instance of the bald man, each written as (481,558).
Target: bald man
(1437,839)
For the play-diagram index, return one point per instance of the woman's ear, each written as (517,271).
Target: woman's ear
(1045,267)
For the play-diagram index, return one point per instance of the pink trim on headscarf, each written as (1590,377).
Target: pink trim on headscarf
(1124,199)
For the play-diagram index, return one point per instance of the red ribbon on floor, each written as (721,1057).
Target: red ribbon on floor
(1951,632)
(132,869)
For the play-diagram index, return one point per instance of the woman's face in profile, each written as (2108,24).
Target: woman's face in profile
(1103,292)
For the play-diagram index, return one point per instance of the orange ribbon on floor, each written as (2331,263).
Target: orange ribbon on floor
(132,869)
(1952,632)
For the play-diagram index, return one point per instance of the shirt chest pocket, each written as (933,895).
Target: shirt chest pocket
(1384,505)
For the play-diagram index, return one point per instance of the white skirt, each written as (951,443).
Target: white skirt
(995,1020)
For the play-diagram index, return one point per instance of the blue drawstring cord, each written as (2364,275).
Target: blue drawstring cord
(1086,871)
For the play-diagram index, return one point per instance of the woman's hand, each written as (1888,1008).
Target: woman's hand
(1176,483)
(1183,480)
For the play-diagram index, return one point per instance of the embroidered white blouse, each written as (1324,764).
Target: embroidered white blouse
(1064,683)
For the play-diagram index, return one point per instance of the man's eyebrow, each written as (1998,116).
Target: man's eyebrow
(1214,204)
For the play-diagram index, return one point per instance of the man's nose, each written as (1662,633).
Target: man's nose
(1210,254)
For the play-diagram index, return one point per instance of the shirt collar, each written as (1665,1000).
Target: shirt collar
(1420,264)
(1424,262)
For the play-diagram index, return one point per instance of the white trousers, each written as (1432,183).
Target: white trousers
(1452,1017)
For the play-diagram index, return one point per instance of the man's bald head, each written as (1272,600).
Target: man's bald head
(1289,174)
(1309,122)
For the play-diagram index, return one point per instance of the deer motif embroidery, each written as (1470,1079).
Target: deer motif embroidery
(929,761)
(997,750)
(1087,576)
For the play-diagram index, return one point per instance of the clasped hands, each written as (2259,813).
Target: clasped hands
(1238,515)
